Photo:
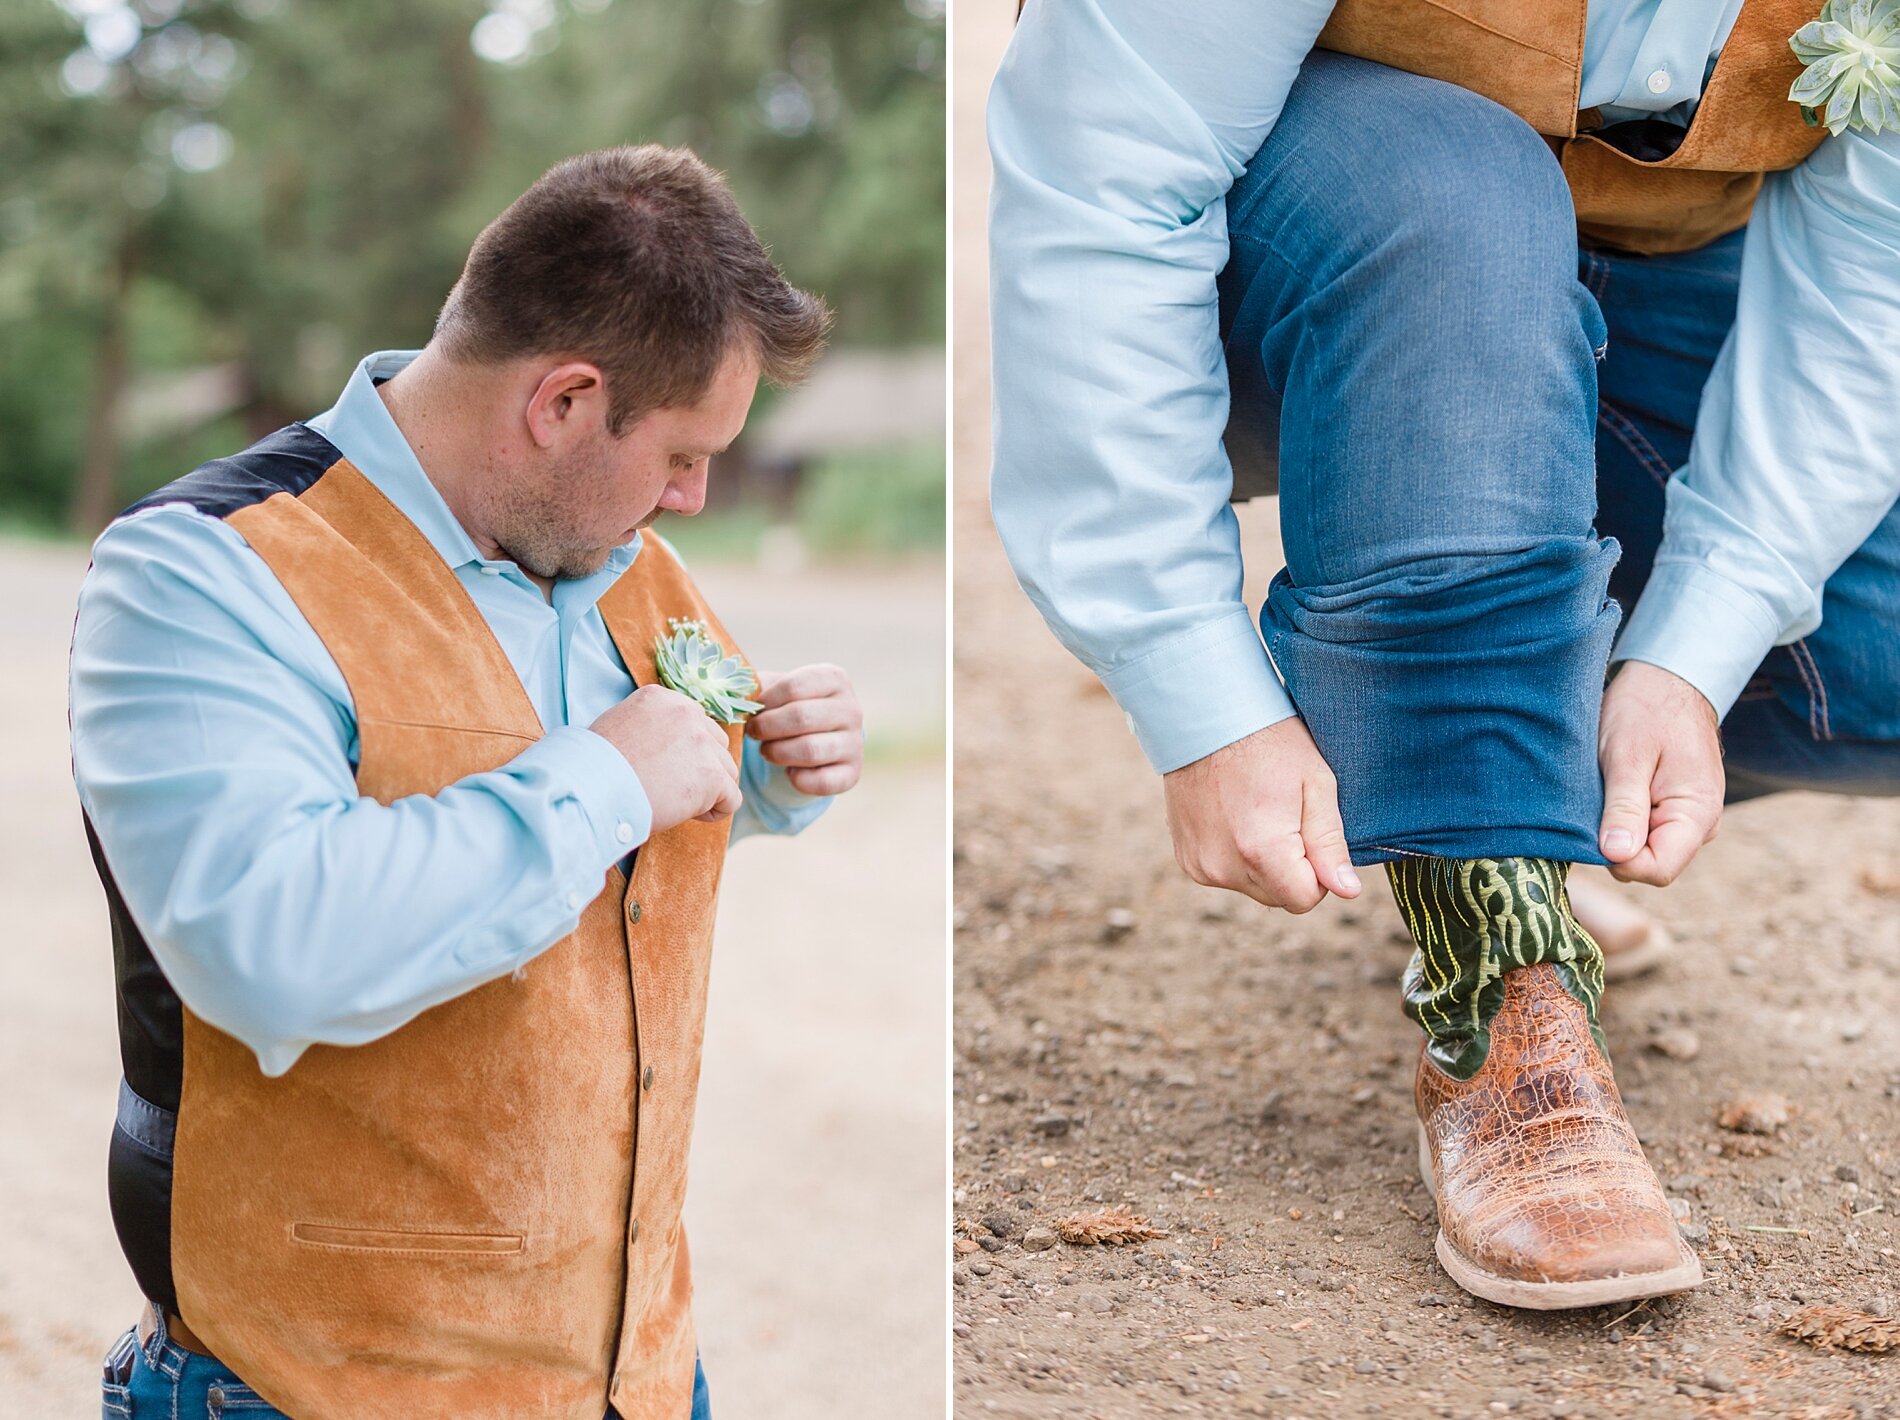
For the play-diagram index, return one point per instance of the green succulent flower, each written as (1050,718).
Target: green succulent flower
(695,665)
(1853,56)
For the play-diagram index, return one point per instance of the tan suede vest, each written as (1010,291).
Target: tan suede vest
(479,1214)
(1528,56)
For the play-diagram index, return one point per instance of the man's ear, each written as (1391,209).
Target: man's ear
(572,396)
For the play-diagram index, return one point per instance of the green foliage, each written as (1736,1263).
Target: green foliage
(867,503)
(284,185)
(875,501)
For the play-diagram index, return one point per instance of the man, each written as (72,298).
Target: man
(411,861)
(1468,272)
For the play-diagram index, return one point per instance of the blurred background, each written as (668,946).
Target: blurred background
(209,211)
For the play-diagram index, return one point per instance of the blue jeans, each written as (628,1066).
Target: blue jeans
(1411,327)
(159,1380)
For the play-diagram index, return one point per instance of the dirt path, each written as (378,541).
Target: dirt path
(816,1210)
(1243,1078)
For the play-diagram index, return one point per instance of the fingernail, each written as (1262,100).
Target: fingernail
(1618,840)
(1347,877)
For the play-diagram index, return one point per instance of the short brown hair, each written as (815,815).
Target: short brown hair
(638,260)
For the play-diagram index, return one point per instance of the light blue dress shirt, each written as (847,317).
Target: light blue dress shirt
(1116,131)
(214,741)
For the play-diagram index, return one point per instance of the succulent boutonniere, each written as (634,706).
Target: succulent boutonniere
(1853,56)
(695,665)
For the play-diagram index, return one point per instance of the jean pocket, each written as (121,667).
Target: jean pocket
(115,1385)
(236,1398)
(403,1241)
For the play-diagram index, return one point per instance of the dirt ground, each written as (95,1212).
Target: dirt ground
(1242,1078)
(816,1209)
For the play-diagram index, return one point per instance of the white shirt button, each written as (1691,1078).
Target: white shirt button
(1659,81)
(624,832)
(573,902)
(488,571)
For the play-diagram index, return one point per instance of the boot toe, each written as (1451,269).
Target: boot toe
(1579,1240)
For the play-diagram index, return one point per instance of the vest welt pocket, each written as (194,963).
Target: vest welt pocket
(394,1240)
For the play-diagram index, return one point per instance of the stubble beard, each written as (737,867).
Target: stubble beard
(536,532)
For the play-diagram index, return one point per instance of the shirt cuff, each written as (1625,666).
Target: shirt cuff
(1697,624)
(1200,692)
(599,779)
(776,807)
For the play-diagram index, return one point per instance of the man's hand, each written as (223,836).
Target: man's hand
(682,755)
(811,727)
(1662,773)
(1261,816)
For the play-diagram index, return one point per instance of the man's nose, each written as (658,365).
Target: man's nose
(686,495)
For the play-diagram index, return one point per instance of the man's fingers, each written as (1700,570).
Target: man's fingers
(810,751)
(1627,777)
(1292,886)
(1280,872)
(803,717)
(726,805)
(1325,839)
(767,679)
(721,746)
(1672,843)
(825,780)
(805,683)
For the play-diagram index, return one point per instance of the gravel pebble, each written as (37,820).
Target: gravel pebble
(1762,1113)
(1678,1043)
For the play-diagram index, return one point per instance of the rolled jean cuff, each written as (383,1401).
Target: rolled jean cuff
(1456,699)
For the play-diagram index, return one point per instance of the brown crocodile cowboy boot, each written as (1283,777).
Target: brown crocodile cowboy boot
(1544,1197)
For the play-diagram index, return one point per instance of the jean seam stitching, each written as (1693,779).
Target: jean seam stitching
(159,1357)
(1599,281)
(1826,731)
(1794,654)
(1633,439)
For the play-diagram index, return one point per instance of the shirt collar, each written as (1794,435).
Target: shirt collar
(360,427)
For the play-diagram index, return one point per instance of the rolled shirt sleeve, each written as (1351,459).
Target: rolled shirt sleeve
(213,739)
(772,806)
(1115,132)
(1793,464)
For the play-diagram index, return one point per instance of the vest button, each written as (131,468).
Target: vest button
(633,1233)
(633,912)
(646,1078)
